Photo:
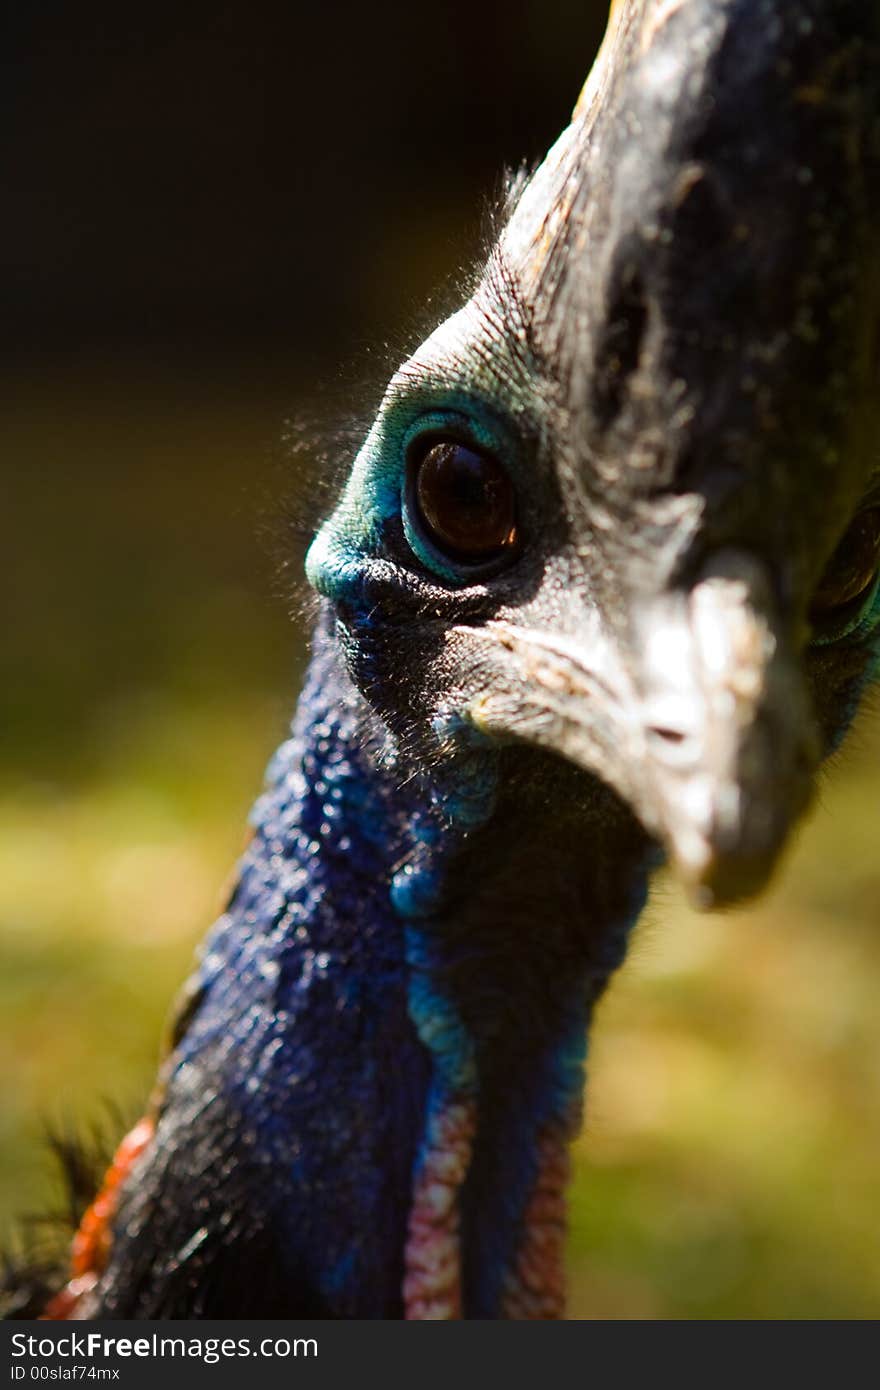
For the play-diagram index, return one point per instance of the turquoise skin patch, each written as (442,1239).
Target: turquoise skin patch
(447,388)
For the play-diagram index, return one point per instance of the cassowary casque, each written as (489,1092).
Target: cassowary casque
(601,588)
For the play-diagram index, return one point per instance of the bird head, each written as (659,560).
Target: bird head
(624,505)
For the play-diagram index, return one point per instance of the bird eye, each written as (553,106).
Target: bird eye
(465,501)
(852,569)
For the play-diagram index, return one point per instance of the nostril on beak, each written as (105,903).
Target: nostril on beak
(667,735)
(671,729)
(670,745)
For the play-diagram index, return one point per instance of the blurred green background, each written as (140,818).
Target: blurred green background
(217,218)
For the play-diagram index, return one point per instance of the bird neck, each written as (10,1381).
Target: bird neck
(506,958)
(422,981)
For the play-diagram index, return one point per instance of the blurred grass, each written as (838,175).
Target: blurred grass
(729,1163)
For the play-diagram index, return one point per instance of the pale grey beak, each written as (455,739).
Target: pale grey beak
(730,741)
(701,723)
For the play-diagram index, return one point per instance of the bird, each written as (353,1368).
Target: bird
(601,591)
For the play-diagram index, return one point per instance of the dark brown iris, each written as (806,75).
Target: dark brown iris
(852,568)
(466,501)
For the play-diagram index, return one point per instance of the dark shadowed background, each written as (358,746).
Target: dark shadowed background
(220,223)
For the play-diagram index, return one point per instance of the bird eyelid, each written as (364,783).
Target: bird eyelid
(855,622)
(858,612)
(464,417)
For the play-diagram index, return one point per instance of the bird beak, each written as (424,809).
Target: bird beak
(730,744)
(705,730)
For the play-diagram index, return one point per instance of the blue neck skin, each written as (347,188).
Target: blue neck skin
(371,954)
